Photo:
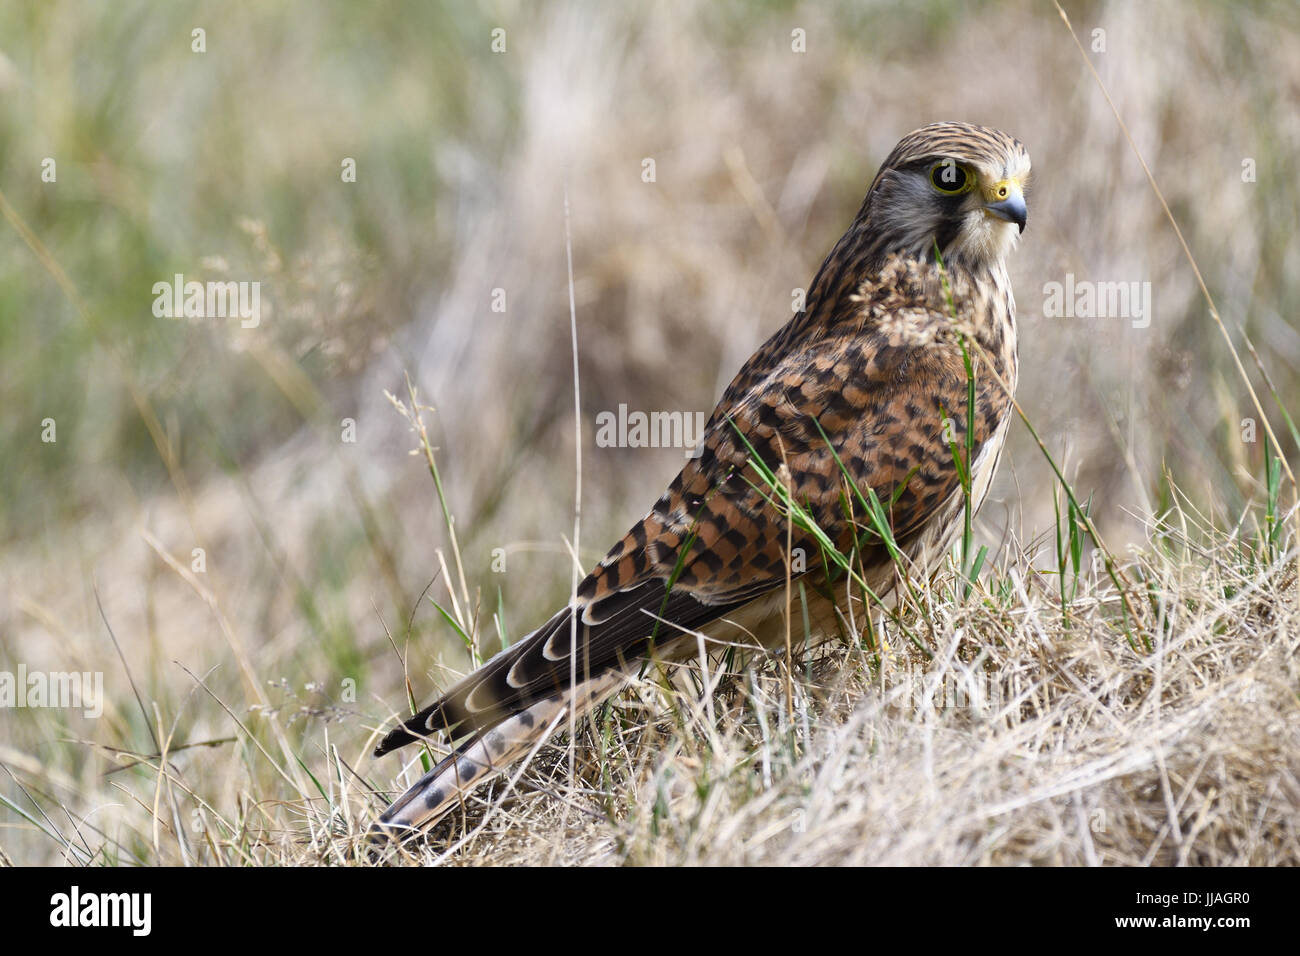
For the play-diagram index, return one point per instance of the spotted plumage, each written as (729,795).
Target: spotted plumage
(874,364)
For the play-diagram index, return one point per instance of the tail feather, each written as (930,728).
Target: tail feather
(623,633)
(487,754)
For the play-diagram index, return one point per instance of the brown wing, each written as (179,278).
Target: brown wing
(880,374)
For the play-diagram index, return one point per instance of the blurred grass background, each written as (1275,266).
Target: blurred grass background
(226,165)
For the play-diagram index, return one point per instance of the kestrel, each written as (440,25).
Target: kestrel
(870,381)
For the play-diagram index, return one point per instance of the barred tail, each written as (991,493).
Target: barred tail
(487,754)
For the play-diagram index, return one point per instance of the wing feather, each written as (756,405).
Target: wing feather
(884,379)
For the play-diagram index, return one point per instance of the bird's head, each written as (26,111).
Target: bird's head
(959,186)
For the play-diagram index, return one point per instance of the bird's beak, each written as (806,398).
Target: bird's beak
(1005,201)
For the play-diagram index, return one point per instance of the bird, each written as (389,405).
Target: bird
(868,386)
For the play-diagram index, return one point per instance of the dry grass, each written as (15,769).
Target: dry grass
(1173,742)
(1032,735)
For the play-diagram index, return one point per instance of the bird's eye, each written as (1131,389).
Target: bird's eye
(950,177)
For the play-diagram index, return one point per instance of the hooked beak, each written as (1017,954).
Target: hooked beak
(1007,202)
